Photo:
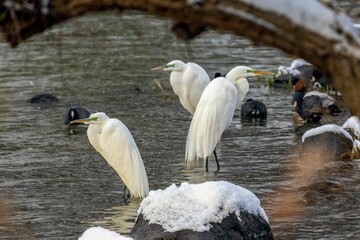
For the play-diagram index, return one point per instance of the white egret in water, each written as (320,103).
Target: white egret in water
(113,140)
(215,111)
(188,81)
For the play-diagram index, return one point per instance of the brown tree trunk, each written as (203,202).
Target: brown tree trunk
(337,58)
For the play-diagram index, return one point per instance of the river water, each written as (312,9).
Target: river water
(54,185)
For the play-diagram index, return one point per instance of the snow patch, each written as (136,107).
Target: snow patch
(194,206)
(356,145)
(353,124)
(310,13)
(99,233)
(326,128)
(292,70)
(325,98)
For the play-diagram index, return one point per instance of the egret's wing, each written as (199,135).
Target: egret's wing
(213,115)
(122,154)
(195,80)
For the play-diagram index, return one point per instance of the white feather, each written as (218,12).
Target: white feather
(188,82)
(113,140)
(214,113)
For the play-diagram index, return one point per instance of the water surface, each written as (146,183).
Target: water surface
(58,185)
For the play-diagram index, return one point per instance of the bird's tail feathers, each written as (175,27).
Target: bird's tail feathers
(138,186)
(204,134)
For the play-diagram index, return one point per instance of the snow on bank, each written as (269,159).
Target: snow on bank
(99,233)
(194,206)
(353,124)
(326,128)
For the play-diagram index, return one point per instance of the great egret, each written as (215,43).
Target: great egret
(188,81)
(75,113)
(113,140)
(215,111)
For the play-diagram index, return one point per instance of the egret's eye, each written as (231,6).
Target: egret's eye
(170,65)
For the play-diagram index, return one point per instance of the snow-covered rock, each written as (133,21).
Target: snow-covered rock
(329,141)
(211,210)
(353,124)
(99,233)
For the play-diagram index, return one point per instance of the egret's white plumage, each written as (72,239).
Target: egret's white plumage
(113,140)
(188,81)
(215,111)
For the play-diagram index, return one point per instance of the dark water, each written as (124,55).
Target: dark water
(58,185)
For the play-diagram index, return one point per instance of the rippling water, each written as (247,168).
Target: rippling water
(58,185)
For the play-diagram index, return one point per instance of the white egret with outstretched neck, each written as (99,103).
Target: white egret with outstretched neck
(113,140)
(188,81)
(214,113)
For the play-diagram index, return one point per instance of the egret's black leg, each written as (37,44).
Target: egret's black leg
(217,162)
(127,193)
(207,164)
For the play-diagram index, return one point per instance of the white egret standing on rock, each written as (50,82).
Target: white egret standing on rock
(188,81)
(215,111)
(113,140)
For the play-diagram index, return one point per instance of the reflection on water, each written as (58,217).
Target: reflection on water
(62,186)
(120,218)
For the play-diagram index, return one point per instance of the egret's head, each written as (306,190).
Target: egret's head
(243,72)
(175,65)
(95,118)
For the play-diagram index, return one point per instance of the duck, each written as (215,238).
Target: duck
(74,113)
(253,109)
(307,109)
(43,98)
(299,68)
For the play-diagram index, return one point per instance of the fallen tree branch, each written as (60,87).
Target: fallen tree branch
(306,28)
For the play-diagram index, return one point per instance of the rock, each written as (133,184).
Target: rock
(250,227)
(330,145)
(319,190)
(205,211)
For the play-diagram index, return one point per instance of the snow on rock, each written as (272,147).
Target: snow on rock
(326,128)
(194,206)
(325,98)
(353,124)
(356,146)
(99,233)
(293,67)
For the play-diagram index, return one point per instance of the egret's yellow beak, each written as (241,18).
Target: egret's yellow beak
(159,68)
(81,121)
(84,120)
(262,73)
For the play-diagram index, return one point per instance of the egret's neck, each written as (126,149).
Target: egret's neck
(242,86)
